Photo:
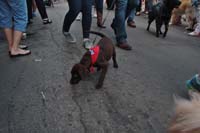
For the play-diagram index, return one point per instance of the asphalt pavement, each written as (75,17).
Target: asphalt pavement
(36,97)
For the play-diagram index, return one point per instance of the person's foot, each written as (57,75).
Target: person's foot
(19,52)
(124,46)
(47,21)
(70,38)
(137,14)
(95,14)
(24,36)
(193,83)
(100,25)
(194,34)
(78,18)
(131,24)
(87,43)
(189,29)
(112,26)
(22,46)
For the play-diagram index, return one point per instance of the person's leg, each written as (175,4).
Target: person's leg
(34,7)
(99,10)
(119,21)
(9,36)
(86,22)
(130,20)
(74,9)
(41,8)
(6,21)
(87,17)
(149,4)
(29,9)
(138,9)
(19,10)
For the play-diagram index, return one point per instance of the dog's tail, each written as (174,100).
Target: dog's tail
(98,33)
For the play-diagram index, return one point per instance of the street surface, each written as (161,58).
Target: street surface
(36,97)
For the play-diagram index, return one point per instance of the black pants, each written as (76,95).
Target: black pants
(29,9)
(41,8)
(76,6)
(110,4)
(138,9)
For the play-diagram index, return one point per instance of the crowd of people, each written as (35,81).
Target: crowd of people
(16,16)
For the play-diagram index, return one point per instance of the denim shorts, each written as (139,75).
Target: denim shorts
(13,14)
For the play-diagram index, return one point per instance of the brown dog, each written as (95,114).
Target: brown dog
(106,51)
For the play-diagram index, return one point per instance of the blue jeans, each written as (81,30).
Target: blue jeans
(13,9)
(122,11)
(131,10)
(76,6)
(148,5)
(131,15)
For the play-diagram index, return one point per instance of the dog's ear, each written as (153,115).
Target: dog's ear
(83,71)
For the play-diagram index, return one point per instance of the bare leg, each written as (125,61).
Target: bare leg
(9,37)
(16,40)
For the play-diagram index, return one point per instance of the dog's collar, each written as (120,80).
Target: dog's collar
(94,52)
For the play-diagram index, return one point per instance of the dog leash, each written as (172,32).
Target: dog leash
(105,18)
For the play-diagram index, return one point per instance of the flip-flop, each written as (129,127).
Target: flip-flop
(22,47)
(18,55)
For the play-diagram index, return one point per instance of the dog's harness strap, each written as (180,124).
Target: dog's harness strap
(94,52)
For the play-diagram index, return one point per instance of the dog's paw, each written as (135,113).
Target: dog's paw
(98,86)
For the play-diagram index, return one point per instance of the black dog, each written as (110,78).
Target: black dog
(161,12)
(106,51)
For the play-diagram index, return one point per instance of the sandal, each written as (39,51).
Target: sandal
(19,54)
(47,21)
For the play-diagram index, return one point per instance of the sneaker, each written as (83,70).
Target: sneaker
(95,14)
(22,46)
(194,34)
(137,14)
(70,38)
(87,44)
(78,18)
(24,35)
(193,84)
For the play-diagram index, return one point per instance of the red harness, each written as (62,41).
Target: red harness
(94,52)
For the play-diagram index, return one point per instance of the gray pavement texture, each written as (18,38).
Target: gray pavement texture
(36,97)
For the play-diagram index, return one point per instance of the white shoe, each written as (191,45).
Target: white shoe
(87,44)
(194,34)
(79,17)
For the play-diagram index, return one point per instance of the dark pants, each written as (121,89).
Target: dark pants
(76,6)
(138,9)
(29,9)
(41,8)
(99,5)
(110,4)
